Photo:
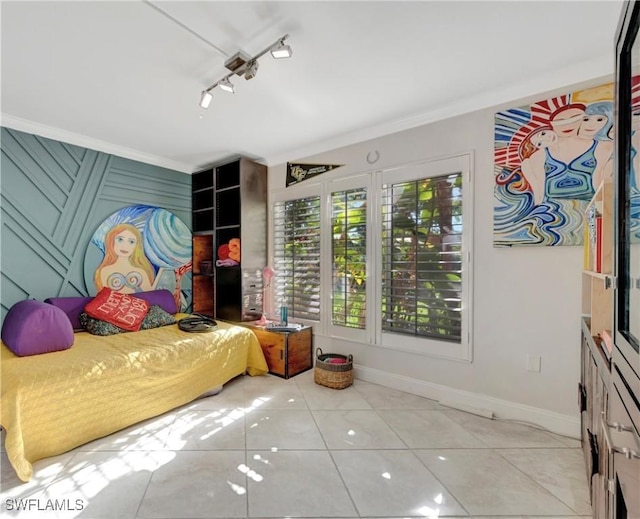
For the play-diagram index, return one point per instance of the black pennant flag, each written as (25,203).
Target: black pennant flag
(296,173)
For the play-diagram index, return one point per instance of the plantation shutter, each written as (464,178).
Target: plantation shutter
(349,256)
(422,257)
(296,227)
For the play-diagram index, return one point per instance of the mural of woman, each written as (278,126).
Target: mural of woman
(549,158)
(125,268)
(533,156)
(597,121)
(568,165)
(140,248)
(575,161)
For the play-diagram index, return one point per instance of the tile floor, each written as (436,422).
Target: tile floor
(267,447)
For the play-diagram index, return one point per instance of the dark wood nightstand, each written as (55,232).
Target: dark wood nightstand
(288,353)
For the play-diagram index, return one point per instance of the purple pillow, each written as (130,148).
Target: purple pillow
(33,327)
(162,298)
(72,306)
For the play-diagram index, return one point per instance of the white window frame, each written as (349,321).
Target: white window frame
(373,335)
(424,345)
(367,334)
(295,193)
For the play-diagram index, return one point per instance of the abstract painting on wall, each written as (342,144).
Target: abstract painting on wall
(137,249)
(549,158)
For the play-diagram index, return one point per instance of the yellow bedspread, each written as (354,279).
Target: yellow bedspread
(54,402)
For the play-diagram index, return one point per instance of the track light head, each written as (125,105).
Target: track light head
(205,99)
(251,69)
(280,50)
(226,85)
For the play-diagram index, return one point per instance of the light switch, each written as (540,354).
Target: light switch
(534,363)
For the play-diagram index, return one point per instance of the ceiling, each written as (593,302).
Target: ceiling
(125,76)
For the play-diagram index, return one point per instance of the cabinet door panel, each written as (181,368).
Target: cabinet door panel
(273,346)
(299,353)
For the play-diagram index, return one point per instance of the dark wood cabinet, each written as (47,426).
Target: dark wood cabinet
(229,204)
(202,211)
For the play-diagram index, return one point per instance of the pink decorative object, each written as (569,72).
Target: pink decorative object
(268,273)
(607,338)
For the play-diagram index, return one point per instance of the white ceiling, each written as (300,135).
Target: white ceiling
(125,76)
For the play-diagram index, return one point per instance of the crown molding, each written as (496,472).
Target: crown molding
(598,68)
(50,132)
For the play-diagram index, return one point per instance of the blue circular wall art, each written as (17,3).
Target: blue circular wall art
(140,248)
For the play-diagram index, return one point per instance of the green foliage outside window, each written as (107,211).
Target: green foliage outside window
(349,254)
(297,257)
(422,261)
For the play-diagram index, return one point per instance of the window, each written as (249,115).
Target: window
(380,258)
(349,257)
(296,234)
(422,257)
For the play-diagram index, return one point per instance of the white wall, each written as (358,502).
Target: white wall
(526,300)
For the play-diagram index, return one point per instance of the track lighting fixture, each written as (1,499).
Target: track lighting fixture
(252,69)
(240,64)
(226,85)
(280,50)
(205,99)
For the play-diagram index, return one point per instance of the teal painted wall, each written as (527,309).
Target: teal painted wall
(53,196)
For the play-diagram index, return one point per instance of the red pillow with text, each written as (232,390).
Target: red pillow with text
(122,310)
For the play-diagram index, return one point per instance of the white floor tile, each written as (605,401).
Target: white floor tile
(486,484)
(321,397)
(560,471)
(45,473)
(231,397)
(149,435)
(504,434)
(574,443)
(282,429)
(198,485)
(394,484)
(429,429)
(380,397)
(105,484)
(356,430)
(296,484)
(207,430)
(305,378)
(271,392)
(268,447)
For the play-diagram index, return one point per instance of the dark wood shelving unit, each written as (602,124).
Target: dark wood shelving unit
(229,201)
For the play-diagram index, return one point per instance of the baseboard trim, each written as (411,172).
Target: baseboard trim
(473,402)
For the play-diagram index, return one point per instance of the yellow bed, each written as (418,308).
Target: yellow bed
(54,402)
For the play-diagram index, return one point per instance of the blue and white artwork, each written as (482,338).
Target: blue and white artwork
(140,248)
(549,158)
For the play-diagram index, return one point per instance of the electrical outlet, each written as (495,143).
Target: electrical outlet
(534,363)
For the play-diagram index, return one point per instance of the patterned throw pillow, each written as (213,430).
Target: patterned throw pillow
(156,318)
(98,327)
(122,310)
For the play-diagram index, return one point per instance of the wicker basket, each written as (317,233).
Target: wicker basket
(335,376)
